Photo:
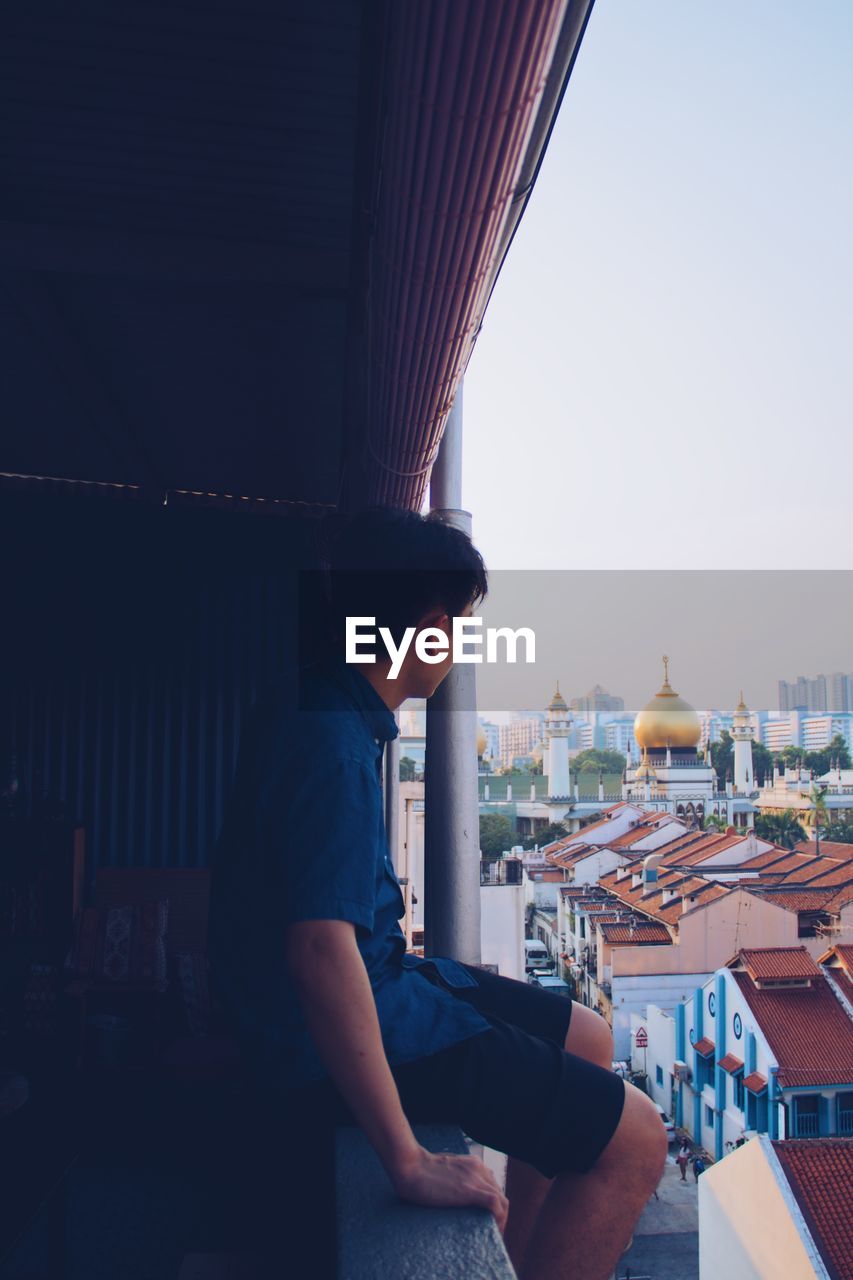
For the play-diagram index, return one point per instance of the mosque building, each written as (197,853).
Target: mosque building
(674,776)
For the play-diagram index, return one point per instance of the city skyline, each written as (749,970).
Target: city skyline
(724,631)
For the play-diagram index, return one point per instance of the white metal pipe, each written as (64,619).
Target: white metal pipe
(452,825)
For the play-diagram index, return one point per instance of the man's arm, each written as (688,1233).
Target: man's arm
(340,1011)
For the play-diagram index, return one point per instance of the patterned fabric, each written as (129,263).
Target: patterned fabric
(191,975)
(121,944)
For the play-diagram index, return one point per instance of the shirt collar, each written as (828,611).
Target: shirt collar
(380,718)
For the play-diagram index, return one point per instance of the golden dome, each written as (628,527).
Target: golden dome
(667,721)
(482,740)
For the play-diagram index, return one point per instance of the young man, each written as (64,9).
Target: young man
(338,1021)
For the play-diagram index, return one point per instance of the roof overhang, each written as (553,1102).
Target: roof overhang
(248,253)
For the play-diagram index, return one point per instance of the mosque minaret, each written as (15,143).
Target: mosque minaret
(742,738)
(557,725)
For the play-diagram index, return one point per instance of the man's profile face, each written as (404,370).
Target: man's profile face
(423,678)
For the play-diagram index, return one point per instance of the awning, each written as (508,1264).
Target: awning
(731,1064)
(755,1082)
(705,1047)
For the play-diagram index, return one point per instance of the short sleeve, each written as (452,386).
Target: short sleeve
(319,843)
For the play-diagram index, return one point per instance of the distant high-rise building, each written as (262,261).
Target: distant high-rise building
(595,701)
(492,734)
(810,732)
(839,693)
(520,736)
(816,695)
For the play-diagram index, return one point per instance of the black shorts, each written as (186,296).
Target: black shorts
(512,1087)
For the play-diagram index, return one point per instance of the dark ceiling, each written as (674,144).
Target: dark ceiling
(177,214)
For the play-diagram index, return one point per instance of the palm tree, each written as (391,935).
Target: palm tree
(714,822)
(782,828)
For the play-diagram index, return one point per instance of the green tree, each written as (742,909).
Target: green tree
(792,757)
(781,828)
(840,832)
(554,831)
(722,757)
(407,769)
(594,760)
(497,833)
(762,763)
(714,822)
(823,760)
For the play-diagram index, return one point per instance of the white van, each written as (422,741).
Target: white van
(536,956)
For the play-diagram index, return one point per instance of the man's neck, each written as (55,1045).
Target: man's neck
(392,692)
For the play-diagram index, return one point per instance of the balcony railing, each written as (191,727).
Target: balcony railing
(808,1125)
(845,1123)
(501,871)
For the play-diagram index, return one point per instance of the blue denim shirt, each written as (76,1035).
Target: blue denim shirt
(304,839)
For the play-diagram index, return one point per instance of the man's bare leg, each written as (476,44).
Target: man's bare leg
(586,1222)
(588,1037)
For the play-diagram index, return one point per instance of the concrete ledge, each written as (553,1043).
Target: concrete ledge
(380,1236)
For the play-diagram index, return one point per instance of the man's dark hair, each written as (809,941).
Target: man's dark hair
(395,566)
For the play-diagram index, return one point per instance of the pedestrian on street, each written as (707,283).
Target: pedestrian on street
(683,1159)
(698,1166)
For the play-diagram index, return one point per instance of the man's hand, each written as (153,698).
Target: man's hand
(450,1181)
(337,1001)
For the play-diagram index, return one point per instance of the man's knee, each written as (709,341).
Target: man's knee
(590,1037)
(639,1145)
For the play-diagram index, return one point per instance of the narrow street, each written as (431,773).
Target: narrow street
(666,1241)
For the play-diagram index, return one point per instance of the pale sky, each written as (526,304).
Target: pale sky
(664,378)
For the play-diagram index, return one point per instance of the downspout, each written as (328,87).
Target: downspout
(719,1073)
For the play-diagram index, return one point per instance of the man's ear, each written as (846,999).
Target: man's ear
(437,617)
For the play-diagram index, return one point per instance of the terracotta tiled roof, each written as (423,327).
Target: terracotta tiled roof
(840,899)
(785,865)
(755,1082)
(704,1046)
(808,1031)
(768,963)
(642,934)
(820,1174)
(829,848)
(731,1063)
(642,829)
(844,982)
(767,859)
(818,870)
(689,840)
(716,844)
(805,899)
(841,875)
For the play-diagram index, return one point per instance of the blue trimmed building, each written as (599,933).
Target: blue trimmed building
(765,1046)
